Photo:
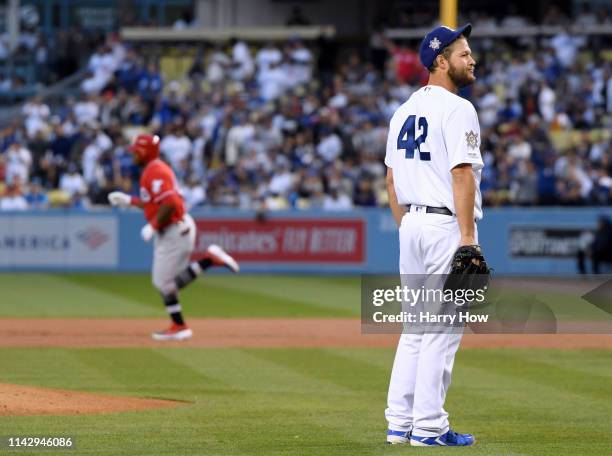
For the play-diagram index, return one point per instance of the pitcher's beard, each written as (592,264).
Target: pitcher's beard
(460,78)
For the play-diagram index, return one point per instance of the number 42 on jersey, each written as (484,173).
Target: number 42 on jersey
(406,139)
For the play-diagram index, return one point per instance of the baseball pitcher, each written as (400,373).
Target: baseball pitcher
(173,231)
(433,176)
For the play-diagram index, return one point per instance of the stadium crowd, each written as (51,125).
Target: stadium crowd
(287,125)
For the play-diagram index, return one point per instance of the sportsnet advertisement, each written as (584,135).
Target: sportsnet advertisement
(553,242)
(58,242)
(295,241)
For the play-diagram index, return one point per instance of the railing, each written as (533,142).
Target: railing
(168,34)
(67,86)
(500,32)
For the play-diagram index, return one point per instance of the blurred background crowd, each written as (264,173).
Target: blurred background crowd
(302,124)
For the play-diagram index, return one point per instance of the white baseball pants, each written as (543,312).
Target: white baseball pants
(424,361)
(171,253)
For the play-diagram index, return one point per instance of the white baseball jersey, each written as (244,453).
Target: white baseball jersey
(430,134)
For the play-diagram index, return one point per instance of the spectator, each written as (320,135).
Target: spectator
(274,81)
(36,197)
(364,194)
(13,200)
(96,142)
(336,201)
(268,56)
(330,145)
(72,182)
(80,201)
(525,186)
(519,149)
(406,65)
(546,103)
(237,139)
(300,59)
(601,249)
(597,245)
(509,112)
(218,64)
(150,83)
(489,105)
(282,181)
(176,146)
(102,65)
(86,110)
(242,65)
(36,116)
(194,193)
(566,47)
(18,161)
(129,72)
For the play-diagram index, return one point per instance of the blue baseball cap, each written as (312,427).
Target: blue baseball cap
(436,40)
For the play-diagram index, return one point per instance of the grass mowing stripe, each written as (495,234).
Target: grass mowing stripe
(302,406)
(521,366)
(152,432)
(46,295)
(536,419)
(590,362)
(215,301)
(225,296)
(341,293)
(530,413)
(325,364)
(273,386)
(243,370)
(520,394)
(146,372)
(57,368)
(519,418)
(381,358)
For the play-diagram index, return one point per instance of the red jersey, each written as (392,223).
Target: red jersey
(158,186)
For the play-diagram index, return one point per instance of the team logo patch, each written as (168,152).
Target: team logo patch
(435,43)
(471,139)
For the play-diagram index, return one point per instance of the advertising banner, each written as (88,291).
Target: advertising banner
(286,240)
(549,242)
(58,241)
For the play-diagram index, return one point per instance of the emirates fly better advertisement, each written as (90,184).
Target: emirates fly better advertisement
(285,240)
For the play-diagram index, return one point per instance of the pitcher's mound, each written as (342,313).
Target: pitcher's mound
(32,400)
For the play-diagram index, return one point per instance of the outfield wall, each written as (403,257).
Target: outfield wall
(515,240)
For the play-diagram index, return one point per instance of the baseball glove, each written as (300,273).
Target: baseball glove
(469,270)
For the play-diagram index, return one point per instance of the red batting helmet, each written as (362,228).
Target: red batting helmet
(145,147)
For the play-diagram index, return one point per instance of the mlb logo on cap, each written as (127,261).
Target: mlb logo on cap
(436,40)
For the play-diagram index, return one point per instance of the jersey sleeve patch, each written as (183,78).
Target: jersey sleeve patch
(473,143)
(462,136)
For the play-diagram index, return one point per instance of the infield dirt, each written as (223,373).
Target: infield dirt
(251,333)
(19,400)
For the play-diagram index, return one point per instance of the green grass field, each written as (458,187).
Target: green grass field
(132,295)
(286,401)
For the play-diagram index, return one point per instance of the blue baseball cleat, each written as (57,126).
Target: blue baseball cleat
(398,437)
(451,438)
